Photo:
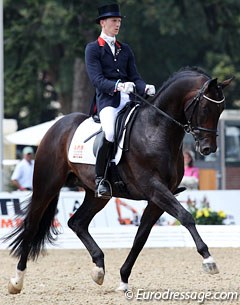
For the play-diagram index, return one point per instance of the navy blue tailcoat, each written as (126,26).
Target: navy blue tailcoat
(105,69)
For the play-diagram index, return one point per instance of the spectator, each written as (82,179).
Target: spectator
(23,173)
(191,173)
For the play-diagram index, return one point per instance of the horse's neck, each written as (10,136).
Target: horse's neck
(162,127)
(172,105)
(173,99)
(154,120)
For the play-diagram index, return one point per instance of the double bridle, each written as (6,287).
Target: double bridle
(188,128)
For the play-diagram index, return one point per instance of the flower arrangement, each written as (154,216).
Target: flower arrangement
(205,215)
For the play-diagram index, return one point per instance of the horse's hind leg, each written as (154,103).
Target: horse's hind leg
(37,226)
(30,238)
(150,216)
(79,223)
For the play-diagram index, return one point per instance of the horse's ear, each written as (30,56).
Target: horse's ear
(212,83)
(226,82)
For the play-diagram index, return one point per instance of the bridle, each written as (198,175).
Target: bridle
(191,106)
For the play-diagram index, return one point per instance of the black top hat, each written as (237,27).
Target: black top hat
(108,11)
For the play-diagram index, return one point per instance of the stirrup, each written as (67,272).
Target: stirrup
(108,189)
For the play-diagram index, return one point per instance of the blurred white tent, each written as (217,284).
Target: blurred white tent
(31,135)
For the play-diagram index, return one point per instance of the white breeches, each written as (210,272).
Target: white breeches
(108,117)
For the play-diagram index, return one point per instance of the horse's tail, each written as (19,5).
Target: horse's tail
(36,239)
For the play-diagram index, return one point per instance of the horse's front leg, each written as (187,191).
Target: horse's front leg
(150,215)
(79,223)
(165,200)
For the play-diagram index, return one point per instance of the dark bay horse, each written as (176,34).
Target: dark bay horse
(152,169)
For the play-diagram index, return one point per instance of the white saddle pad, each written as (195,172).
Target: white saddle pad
(81,151)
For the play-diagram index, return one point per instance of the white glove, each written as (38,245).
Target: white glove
(127,87)
(150,90)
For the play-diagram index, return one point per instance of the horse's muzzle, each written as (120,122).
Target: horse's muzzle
(205,148)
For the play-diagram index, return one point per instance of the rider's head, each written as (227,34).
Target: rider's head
(110,19)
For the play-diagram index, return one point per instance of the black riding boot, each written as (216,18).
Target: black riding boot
(103,187)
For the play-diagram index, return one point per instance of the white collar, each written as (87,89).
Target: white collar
(109,39)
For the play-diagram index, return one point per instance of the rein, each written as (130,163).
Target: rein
(188,128)
(159,110)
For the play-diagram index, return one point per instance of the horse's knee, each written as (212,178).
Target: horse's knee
(186,219)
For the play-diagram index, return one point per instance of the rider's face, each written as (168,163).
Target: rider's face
(111,26)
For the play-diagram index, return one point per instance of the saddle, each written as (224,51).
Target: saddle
(120,124)
(119,128)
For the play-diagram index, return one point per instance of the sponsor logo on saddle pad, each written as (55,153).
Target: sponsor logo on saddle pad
(79,150)
(81,147)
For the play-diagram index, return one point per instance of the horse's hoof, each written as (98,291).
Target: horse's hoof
(98,275)
(123,287)
(13,289)
(15,284)
(209,266)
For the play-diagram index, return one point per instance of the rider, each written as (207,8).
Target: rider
(112,71)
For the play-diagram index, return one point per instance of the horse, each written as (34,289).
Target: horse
(151,168)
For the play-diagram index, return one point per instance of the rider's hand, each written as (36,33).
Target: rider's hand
(150,90)
(127,87)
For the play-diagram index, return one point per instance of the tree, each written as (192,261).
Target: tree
(42,58)
(45,40)
(176,33)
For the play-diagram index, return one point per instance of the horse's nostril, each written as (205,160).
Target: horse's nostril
(206,151)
